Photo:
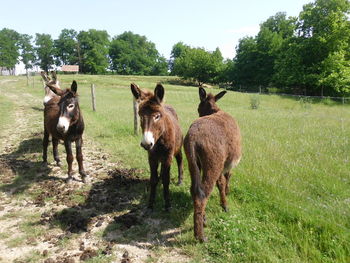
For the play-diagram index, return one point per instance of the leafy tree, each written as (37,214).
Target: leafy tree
(93,49)
(316,59)
(66,48)
(244,63)
(132,54)
(254,64)
(199,65)
(44,51)
(177,50)
(9,49)
(27,51)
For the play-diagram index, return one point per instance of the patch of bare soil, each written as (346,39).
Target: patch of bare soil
(44,219)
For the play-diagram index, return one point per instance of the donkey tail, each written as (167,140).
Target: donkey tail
(194,167)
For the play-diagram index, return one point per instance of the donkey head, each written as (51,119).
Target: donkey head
(69,109)
(151,114)
(207,103)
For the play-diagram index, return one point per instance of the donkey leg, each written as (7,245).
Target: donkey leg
(68,146)
(153,163)
(199,218)
(179,167)
(55,151)
(165,173)
(45,144)
(221,184)
(79,155)
(228,176)
(201,203)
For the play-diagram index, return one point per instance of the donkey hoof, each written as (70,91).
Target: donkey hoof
(85,179)
(44,163)
(179,182)
(58,163)
(225,209)
(202,239)
(69,180)
(167,209)
(148,211)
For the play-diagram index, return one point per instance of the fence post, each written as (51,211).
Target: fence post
(93,97)
(136,116)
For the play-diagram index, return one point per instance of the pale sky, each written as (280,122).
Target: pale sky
(198,23)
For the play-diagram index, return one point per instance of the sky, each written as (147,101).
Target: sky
(197,23)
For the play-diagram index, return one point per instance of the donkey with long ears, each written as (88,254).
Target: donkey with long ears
(54,83)
(162,138)
(213,147)
(63,121)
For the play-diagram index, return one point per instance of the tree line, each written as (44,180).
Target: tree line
(308,54)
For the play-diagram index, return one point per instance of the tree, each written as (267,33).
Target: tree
(27,51)
(315,60)
(44,51)
(93,51)
(176,52)
(245,63)
(132,54)
(254,63)
(9,50)
(199,65)
(66,48)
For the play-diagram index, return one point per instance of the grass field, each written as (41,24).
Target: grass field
(290,195)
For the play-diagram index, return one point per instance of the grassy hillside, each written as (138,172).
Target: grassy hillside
(289,199)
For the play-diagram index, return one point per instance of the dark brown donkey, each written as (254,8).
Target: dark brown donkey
(63,121)
(213,146)
(162,138)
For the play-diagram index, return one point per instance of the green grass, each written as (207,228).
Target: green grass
(289,199)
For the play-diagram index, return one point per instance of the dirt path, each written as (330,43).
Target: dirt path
(45,220)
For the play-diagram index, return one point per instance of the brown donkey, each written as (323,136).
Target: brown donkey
(63,121)
(49,94)
(162,138)
(213,146)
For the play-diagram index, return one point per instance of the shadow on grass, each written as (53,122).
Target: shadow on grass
(38,109)
(121,199)
(20,171)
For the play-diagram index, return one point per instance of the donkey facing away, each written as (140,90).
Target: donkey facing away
(63,121)
(162,138)
(213,146)
(49,94)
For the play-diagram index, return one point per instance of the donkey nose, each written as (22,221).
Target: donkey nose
(146,146)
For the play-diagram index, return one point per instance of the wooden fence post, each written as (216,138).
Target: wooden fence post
(93,97)
(136,116)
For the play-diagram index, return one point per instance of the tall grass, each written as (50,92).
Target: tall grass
(289,199)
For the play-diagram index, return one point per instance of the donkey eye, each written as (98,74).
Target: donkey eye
(70,106)
(156,117)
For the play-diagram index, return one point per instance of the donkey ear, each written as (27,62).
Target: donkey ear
(159,92)
(135,91)
(220,95)
(44,76)
(74,86)
(54,75)
(55,89)
(202,94)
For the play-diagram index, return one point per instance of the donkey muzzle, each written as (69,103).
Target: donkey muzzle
(147,140)
(63,125)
